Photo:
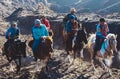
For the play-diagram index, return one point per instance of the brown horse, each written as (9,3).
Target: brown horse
(106,52)
(44,50)
(14,51)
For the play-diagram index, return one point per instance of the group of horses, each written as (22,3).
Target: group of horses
(87,41)
(81,41)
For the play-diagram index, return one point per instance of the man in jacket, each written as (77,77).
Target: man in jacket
(12,34)
(38,31)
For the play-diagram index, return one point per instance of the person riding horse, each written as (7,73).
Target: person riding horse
(71,29)
(68,18)
(46,22)
(101,32)
(38,31)
(12,34)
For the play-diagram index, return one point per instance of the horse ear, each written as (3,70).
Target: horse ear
(116,35)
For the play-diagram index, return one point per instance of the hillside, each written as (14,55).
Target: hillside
(106,6)
(26,11)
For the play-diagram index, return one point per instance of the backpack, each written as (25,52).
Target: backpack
(66,18)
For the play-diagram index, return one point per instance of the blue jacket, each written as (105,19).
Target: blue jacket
(101,31)
(12,31)
(68,16)
(69,27)
(37,33)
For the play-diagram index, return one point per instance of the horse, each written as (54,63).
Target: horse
(78,43)
(105,54)
(81,38)
(15,50)
(43,52)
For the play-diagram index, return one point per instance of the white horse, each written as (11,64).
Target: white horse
(106,52)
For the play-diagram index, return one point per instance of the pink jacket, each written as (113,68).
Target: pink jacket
(46,22)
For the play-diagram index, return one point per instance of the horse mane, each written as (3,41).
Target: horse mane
(110,35)
(91,39)
(49,38)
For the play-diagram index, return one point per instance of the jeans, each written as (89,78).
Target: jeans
(98,44)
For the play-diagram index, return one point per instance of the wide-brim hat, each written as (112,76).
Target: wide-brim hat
(72,10)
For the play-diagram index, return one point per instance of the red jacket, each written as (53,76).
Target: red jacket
(46,22)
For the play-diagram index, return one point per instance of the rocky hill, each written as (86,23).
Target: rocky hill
(30,7)
(26,11)
(106,6)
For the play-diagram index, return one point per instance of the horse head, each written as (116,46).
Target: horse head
(22,47)
(82,35)
(48,41)
(112,41)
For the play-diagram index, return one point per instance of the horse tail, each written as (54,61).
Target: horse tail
(91,40)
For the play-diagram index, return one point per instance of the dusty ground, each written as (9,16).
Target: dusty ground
(59,67)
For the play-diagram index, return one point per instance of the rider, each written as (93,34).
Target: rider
(47,24)
(72,13)
(12,33)
(71,29)
(101,32)
(68,18)
(38,31)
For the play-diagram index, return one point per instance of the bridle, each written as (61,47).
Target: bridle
(110,45)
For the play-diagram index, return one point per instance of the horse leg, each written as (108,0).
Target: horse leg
(17,62)
(72,57)
(19,65)
(8,58)
(108,63)
(81,54)
(92,60)
(110,74)
(102,63)
(11,66)
(45,67)
(37,66)
(105,67)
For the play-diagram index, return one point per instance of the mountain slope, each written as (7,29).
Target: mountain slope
(92,5)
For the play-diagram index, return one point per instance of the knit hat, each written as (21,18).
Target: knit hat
(37,21)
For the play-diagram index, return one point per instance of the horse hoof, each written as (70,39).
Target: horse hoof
(110,75)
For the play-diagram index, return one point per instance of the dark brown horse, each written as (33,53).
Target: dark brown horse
(14,51)
(44,50)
